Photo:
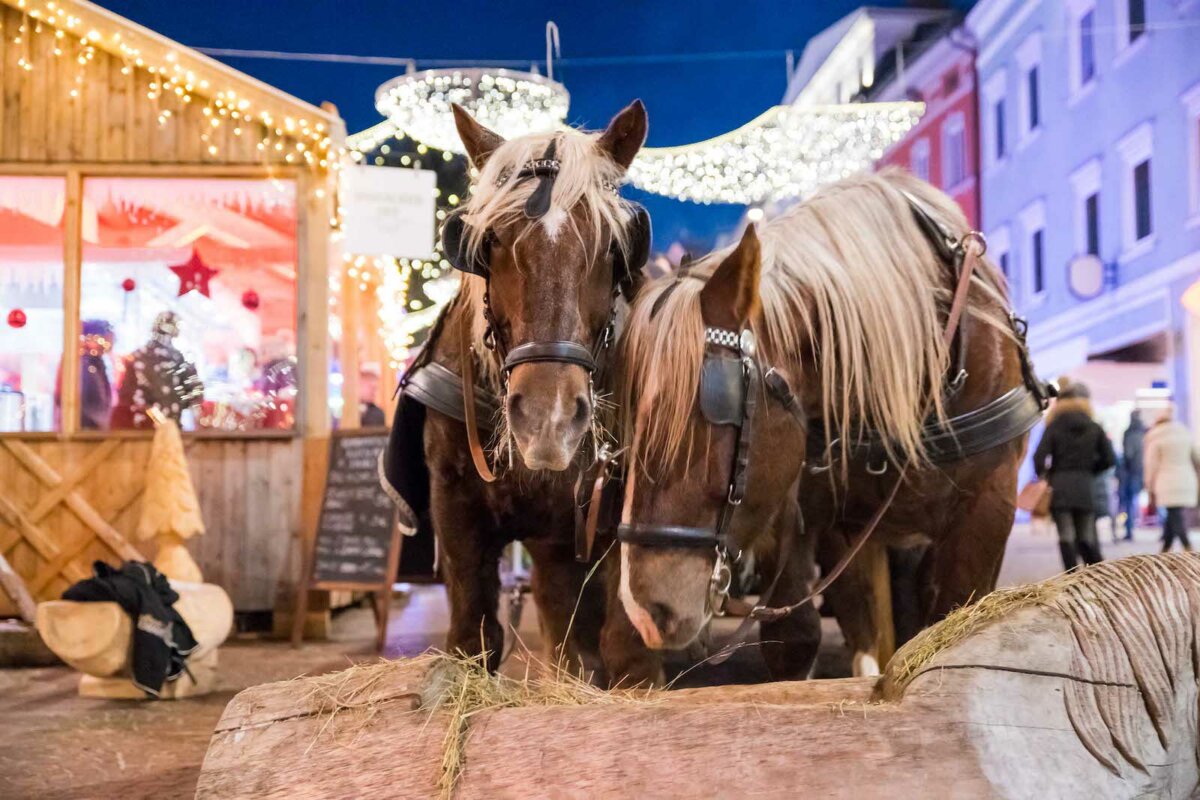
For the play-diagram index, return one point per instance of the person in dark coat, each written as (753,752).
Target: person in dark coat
(1132,470)
(1073,452)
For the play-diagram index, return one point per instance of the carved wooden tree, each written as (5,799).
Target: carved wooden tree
(170,508)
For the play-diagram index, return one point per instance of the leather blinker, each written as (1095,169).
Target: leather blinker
(454,246)
(722,390)
(627,266)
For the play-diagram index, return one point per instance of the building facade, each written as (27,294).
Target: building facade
(937,67)
(1090,140)
(842,60)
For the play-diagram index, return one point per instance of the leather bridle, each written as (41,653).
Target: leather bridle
(625,268)
(728,396)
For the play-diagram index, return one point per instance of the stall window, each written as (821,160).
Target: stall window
(193,281)
(31,301)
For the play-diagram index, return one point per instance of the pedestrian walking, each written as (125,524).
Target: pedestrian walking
(1074,451)
(1131,471)
(1171,461)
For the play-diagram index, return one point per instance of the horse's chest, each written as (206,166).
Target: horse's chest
(532,508)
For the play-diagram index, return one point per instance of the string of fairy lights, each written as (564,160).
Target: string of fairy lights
(784,153)
(177,79)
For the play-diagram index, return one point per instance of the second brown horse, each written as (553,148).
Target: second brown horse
(836,319)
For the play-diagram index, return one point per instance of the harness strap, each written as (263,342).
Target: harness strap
(467,365)
(585,534)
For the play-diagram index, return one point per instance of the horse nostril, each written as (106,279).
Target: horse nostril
(661,614)
(581,410)
(515,402)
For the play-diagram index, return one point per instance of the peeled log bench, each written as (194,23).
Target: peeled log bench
(1080,687)
(97,640)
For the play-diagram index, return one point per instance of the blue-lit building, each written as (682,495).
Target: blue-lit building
(1090,161)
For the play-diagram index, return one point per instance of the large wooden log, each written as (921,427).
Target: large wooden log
(1085,688)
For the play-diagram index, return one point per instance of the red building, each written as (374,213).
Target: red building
(936,66)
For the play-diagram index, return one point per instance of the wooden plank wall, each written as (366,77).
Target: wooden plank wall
(249,494)
(111,120)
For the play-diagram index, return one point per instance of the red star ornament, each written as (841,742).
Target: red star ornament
(194,275)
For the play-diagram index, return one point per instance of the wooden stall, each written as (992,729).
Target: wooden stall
(149,156)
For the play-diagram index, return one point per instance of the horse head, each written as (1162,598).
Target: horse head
(549,246)
(697,404)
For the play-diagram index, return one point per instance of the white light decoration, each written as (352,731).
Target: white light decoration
(786,152)
(511,103)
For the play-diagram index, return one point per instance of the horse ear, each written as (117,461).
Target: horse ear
(479,141)
(730,297)
(626,134)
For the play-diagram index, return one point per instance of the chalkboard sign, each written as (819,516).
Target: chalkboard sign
(357,541)
(358,520)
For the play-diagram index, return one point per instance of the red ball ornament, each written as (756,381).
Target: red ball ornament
(17,318)
(250,299)
(129,284)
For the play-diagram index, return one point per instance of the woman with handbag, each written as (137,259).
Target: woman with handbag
(1171,460)
(1073,451)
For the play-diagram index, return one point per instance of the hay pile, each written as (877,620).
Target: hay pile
(1135,650)
(1171,573)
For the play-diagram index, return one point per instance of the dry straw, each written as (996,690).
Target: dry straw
(462,687)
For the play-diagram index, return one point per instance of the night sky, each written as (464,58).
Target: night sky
(688,100)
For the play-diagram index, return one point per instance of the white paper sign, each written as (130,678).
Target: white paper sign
(389,211)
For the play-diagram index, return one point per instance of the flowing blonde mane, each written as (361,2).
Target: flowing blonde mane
(852,292)
(587,178)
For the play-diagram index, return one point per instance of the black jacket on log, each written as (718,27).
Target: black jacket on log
(1073,450)
(162,641)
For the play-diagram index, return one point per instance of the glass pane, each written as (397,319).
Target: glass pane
(31,305)
(1141,193)
(194,279)
(1033,99)
(1087,48)
(1137,19)
(1093,224)
(1039,270)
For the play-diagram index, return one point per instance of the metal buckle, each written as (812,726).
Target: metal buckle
(880,470)
(719,583)
(973,236)
(731,499)
(817,469)
(747,343)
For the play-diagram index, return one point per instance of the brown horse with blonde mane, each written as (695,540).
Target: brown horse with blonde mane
(796,393)
(500,410)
